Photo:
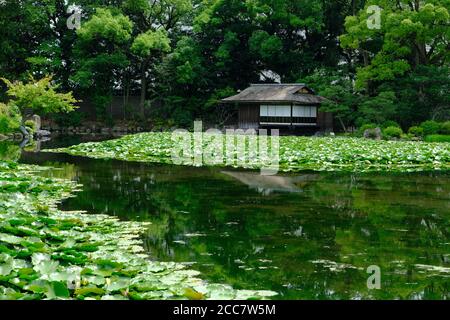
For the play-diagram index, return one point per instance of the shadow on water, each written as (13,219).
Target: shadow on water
(308,236)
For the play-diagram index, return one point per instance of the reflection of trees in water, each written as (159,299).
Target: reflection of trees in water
(9,151)
(402,222)
(269,240)
(12,151)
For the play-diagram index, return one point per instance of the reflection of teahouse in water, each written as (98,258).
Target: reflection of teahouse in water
(268,184)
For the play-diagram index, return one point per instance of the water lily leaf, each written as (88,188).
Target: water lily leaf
(10,238)
(109,264)
(149,285)
(20,264)
(27,231)
(150,295)
(59,290)
(44,265)
(117,284)
(114,297)
(6,268)
(62,276)
(221,292)
(10,294)
(193,295)
(38,286)
(38,258)
(4,249)
(90,290)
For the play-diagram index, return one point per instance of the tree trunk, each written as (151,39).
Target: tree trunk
(143,90)
(342,124)
(126,93)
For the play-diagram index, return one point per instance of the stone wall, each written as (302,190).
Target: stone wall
(92,127)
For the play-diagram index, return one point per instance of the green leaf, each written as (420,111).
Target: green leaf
(89,291)
(60,289)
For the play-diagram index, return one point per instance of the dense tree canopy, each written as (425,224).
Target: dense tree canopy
(188,54)
(405,60)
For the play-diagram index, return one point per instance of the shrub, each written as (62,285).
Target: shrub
(416,131)
(40,96)
(365,127)
(437,138)
(430,127)
(392,132)
(390,123)
(445,128)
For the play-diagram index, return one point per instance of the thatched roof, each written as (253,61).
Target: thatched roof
(277,93)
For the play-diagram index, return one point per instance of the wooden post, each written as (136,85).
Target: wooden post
(292,115)
(236,105)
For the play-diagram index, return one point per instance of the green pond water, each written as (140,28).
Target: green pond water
(307,236)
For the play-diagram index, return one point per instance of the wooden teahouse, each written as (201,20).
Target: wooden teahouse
(293,106)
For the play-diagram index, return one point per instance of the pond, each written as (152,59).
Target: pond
(307,236)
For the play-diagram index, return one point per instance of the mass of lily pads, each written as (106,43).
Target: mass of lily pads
(295,153)
(46,253)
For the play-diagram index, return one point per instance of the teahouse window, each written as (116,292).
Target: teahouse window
(277,114)
(304,111)
(305,115)
(275,111)
(281,114)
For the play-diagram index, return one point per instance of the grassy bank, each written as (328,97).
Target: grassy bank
(49,254)
(295,153)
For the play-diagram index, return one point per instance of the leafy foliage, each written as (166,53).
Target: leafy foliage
(100,53)
(445,128)
(390,123)
(407,55)
(430,127)
(416,131)
(437,138)
(181,55)
(342,100)
(150,41)
(410,34)
(392,132)
(40,96)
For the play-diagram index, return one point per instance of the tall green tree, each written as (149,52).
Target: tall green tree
(342,98)
(156,23)
(407,54)
(23,26)
(235,43)
(101,53)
